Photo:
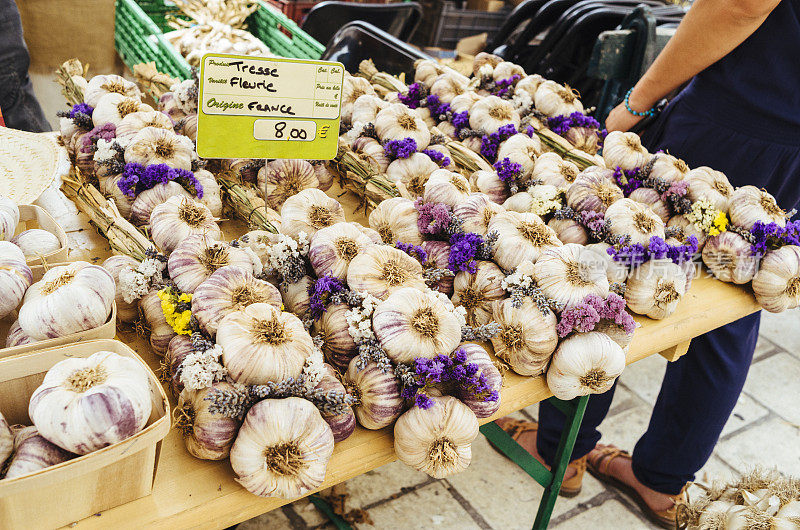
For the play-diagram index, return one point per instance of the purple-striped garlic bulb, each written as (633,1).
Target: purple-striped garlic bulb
(280,179)
(569,231)
(521,237)
(411,323)
(282,449)
(476,212)
(706,183)
(32,452)
(669,168)
(68,299)
(377,394)
(650,197)
(655,288)
(624,150)
(687,228)
(87,403)
(179,347)
(521,149)
(323,174)
(309,211)
(593,191)
(553,170)
(198,256)
(36,242)
(438,255)
(476,354)
(126,311)
(6,440)
(730,258)
(436,440)
(207,435)
(109,187)
(342,425)
(570,273)
(178,218)
(296,297)
(338,345)
(777,282)
(161,333)
(230,289)
(381,270)
(9,218)
(395,220)
(446,187)
(15,277)
(143,204)
(527,337)
(475,291)
(640,222)
(17,337)
(372,152)
(749,204)
(489,183)
(333,248)
(261,343)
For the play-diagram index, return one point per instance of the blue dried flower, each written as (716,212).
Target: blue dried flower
(401,148)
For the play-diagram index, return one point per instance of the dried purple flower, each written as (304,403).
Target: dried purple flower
(320,293)
(411,250)
(400,148)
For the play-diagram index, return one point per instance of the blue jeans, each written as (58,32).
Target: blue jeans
(20,108)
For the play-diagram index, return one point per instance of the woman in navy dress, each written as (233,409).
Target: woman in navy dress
(740,114)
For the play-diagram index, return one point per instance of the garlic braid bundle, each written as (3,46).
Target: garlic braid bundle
(777,282)
(521,237)
(437,440)
(569,273)
(624,150)
(353,89)
(178,218)
(207,435)
(377,394)
(382,270)
(655,288)
(583,364)
(476,291)
(449,86)
(32,452)
(282,449)
(527,337)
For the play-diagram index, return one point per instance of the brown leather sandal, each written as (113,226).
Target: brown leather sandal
(516,428)
(598,467)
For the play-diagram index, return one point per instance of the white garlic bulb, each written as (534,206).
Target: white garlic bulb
(521,237)
(261,343)
(199,256)
(381,270)
(569,231)
(377,394)
(749,204)
(372,152)
(628,217)
(553,170)
(126,311)
(570,273)
(68,299)
(706,183)
(100,85)
(282,449)
(446,187)
(464,102)
(352,89)
(161,333)
(178,218)
(624,150)
(616,271)
(207,435)
(652,199)
(85,404)
(655,288)
(448,86)
(141,207)
(437,440)
(491,113)
(593,190)
(476,212)
(521,149)
(366,108)
(9,218)
(333,248)
(505,70)
(212,194)
(397,122)
(426,71)
(36,242)
(410,174)
(296,297)
(6,439)
(777,282)
(489,183)
(554,99)
(136,121)
(32,452)
(15,277)
(153,145)
(230,289)
(281,179)
(583,364)
(396,220)
(668,168)
(338,345)
(309,211)
(527,337)
(476,291)
(112,108)
(730,258)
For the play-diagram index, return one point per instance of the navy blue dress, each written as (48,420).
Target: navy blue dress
(741,116)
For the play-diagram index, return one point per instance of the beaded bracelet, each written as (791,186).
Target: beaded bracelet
(650,112)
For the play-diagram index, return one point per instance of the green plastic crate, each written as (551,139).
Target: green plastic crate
(141,24)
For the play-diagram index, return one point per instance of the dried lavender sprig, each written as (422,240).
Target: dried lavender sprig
(617,288)
(485,332)
(371,350)
(433,274)
(233,403)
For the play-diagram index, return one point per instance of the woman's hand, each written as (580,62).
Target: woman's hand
(619,119)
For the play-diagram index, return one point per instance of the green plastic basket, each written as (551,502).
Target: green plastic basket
(140,27)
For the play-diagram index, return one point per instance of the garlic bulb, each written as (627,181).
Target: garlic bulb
(9,218)
(324,175)
(652,199)
(476,354)
(527,337)
(446,187)
(136,121)
(476,212)
(381,270)
(260,344)
(170,372)
(554,99)
(352,89)
(6,440)
(126,311)
(628,217)
(371,151)
(521,237)
(36,242)
(109,187)
(476,291)
(425,114)
(777,282)
(377,393)
(705,183)
(486,60)
(338,345)
(366,108)
(207,435)
(309,211)
(282,449)
(488,183)
(616,271)
(521,149)
(569,231)
(570,273)
(198,256)
(505,70)
(655,288)
(593,191)
(281,179)
(464,102)
(411,323)
(332,249)
(112,108)
(397,122)
(230,289)
(178,218)
(296,297)
(730,258)
(583,364)
(437,440)
(161,333)
(396,220)
(491,113)
(749,204)
(143,205)
(449,85)
(17,337)
(212,194)
(687,228)
(624,150)
(438,257)
(412,172)
(32,452)
(342,425)
(85,404)
(553,170)
(15,277)
(426,71)
(668,167)
(100,85)
(68,299)
(153,145)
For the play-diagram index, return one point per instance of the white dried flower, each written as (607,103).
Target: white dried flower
(202,369)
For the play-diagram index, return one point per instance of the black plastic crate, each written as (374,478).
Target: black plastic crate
(454,24)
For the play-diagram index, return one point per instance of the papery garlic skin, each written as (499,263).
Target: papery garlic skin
(777,282)
(372,152)
(570,273)
(109,188)
(437,440)
(552,169)
(352,89)
(6,440)
(100,85)
(426,71)
(688,229)
(655,288)
(476,291)
(583,364)
(136,121)
(554,99)
(438,254)
(36,242)
(624,150)
(230,289)
(15,277)
(333,248)
(749,204)
(32,452)
(489,183)
(85,404)
(593,191)
(9,218)
(207,435)
(377,393)
(142,206)
(212,194)
(652,199)
(527,337)
(521,237)
(448,86)
(446,187)
(126,311)
(338,345)
(112,108)
(706,183)
(730,258)
(67,299)
(366,108)
(17,337)
(296,297)
(309,211)
(342,425)
(477,354)
(521,149)
(491,113)
(261,344)
(410,174)
(153,145)
(179,347)
(282,449)
(161,333)
(397,122)
(178,218)
(476,212)
(464,102)
(198,256)
(281,179)
(323,174)
(381,270)
(569,231)
(616,271)
(668,167)
(628,217)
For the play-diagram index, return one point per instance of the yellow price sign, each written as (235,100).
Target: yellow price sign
(253,107)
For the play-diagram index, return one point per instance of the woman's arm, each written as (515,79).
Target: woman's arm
(709,31)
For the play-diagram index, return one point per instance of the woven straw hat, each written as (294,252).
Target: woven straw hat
(28,163)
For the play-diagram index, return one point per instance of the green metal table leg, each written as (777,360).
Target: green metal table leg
(323,506)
